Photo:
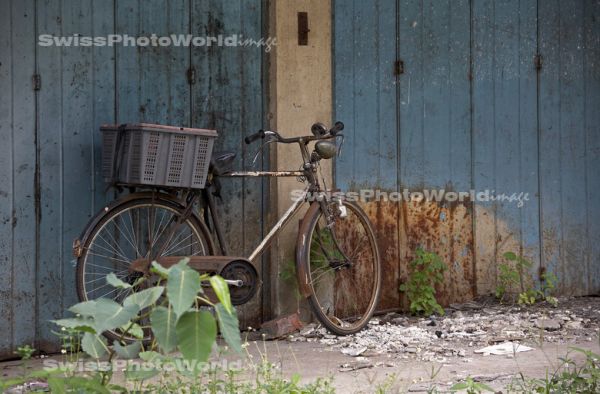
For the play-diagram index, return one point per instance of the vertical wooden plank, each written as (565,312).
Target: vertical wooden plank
(435,123)
(228,97)
(591,74)
(563,143)
(50,140)
(24,153)
(103,94)
(528,145)
(344,89)
(504,132)
(549,120)
(412,105)
(76,145)
(151,80)
(128,75)
(6,176)
(573,147)
(483,143)
(365,100)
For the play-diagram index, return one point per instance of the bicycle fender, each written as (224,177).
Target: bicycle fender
(301,250)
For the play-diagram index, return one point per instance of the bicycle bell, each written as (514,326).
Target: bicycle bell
(318,129)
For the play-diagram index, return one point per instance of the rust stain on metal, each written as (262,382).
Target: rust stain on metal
(384,217)
(448,231)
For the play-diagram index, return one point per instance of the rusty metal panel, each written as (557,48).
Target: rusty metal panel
(467,93)
(17,175)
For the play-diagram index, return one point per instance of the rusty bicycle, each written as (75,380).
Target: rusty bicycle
(338,265)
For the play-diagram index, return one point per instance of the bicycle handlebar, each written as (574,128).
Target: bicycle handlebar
(332,133)
(253,137)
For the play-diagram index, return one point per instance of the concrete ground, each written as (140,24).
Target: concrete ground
(313,360)
(402,353)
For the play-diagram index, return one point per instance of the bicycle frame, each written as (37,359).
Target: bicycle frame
(283,220)
(312,185)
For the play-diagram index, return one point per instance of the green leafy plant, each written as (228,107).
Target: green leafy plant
(177,316)
(514,278)
(427,270)
(25,352)
(472,387)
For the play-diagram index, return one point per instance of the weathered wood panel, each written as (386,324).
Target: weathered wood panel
(365,77)
(475,112)
(73,100)
(17,174)
(435,140)
(569,87)
(227,97)
(504,133)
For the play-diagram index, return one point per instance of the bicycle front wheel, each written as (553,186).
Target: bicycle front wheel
(138,229)
(338,260)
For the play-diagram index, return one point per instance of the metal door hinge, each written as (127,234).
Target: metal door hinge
(37,82)
(191,75)
(538,61)
(399,67)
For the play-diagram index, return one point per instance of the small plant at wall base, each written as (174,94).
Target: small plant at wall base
(514,276)
(427,270)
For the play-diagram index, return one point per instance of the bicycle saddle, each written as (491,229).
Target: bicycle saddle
(221,162)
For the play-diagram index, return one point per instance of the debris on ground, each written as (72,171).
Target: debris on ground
(503,349)
(280,327)
(465,328)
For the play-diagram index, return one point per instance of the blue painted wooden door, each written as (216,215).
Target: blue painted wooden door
(50,157)
(471,106)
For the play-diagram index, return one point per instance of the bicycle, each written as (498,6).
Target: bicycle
(337,259)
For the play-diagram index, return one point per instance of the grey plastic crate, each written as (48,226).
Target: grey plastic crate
(164,155)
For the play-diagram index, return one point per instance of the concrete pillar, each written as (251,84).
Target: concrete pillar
(300,94)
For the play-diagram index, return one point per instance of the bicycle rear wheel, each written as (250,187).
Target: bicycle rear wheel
(338,261)
(131,231)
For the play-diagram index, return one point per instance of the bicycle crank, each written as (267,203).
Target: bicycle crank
(239,273)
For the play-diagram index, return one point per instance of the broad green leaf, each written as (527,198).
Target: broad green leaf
(150,355)
(229,327)
(94,345)
(85,308)
(183,286)
(196,335)
(112,280)
(510,256)
(109,314)
(133,329)
(459,386)
(129,351)
(222,291)
(163,322)
(160,270)
(144,298)
(79,323)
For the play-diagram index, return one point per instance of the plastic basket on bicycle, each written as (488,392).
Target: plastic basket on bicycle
(156,155)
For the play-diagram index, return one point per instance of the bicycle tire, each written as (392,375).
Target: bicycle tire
(106,216)
(340,293)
